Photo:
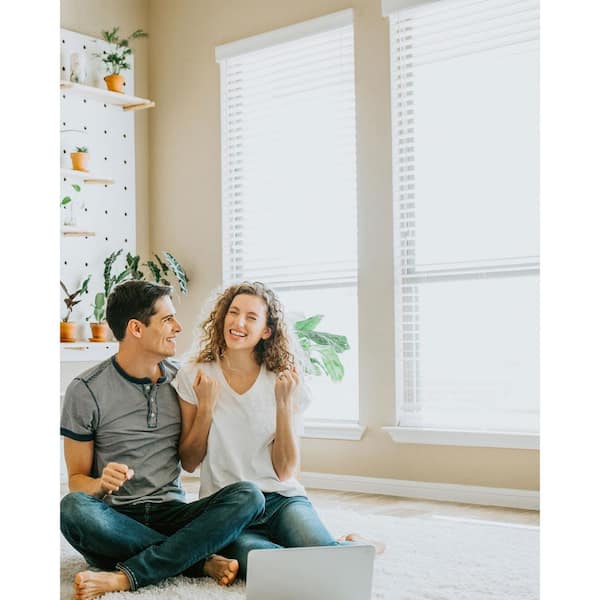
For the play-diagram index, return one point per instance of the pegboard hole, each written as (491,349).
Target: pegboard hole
(85,127)
(125,187)
(124,135)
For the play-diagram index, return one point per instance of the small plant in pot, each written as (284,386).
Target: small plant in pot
(79,158)
(67,328)
(69,218)
(117,60)
(99,327)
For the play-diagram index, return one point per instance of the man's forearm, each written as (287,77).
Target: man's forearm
(88,485)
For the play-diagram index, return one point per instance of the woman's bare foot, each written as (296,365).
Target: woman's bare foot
(356,537)
(90,584)
(222,570)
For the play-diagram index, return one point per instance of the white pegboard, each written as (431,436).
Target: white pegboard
(108,210)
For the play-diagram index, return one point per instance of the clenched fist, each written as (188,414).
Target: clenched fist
(206,390)
(114,475)
(285,384)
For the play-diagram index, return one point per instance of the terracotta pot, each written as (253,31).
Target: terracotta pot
(115,83)
(100,332)
(79,160)
(67,331)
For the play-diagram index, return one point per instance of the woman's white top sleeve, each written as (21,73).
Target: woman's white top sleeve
(242,431)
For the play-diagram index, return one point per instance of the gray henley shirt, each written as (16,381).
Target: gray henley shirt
(131,421)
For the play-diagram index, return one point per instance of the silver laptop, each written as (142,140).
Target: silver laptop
(320,573)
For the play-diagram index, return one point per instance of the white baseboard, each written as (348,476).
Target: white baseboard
(442,492)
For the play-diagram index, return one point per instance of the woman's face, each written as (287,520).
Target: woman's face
(245,322)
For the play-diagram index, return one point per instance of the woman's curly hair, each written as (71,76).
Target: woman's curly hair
(275,351)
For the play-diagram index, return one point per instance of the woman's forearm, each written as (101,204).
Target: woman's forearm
(193,445)
(285,453)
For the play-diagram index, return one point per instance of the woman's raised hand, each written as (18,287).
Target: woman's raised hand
(285,384)
(206,390)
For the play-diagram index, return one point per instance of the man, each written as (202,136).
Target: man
(126,513)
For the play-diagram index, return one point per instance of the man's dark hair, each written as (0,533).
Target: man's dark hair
(133,300)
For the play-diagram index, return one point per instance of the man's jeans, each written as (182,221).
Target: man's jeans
(286,523)
(152,541)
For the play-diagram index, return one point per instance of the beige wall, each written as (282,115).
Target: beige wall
(183,176)
(90,17)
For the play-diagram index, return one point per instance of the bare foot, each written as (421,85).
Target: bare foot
(356,537)
(89,584)
(222,570)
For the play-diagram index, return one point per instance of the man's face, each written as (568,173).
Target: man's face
(158,337)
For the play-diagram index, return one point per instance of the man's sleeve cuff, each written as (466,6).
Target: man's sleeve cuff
(79,437)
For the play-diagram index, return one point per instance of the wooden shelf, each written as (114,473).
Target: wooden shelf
(102,95)
(86,176)
(87,351)
(68,233)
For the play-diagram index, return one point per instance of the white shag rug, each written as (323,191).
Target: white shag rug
(427,558)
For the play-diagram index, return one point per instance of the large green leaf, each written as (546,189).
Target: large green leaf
(178,271)
(308,324)
(338,342)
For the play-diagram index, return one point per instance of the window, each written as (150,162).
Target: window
(289,180)
(464,81)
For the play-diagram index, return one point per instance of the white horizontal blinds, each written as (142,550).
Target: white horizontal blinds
(289,154)
(464,86)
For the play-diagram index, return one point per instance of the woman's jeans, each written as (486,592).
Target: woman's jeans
(286,523)
(152,541)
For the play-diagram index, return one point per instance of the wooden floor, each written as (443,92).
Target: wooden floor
(377,504)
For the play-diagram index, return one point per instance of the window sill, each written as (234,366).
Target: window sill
(453,437)
(333,430)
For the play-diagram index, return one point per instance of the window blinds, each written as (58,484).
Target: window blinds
(288,156)
(464,97)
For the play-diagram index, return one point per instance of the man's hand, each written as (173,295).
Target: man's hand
(206,390)
(114,475)
(285,384)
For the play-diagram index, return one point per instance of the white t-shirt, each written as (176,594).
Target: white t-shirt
(242,431)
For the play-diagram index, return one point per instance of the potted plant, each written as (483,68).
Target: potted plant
(116,61)
(79,158)
(99,327)
(321,348)
(69,220)
(67,328)
(159,271)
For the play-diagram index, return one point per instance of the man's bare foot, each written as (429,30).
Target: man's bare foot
(356,537)
(222,570)
(90,584)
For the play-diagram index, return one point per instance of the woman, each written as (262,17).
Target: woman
(241,403)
